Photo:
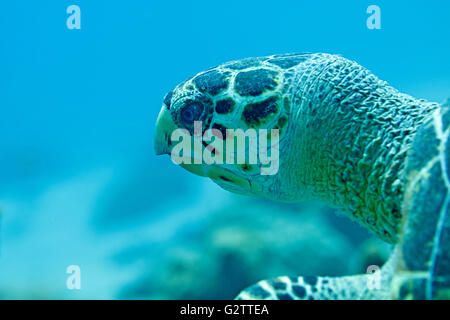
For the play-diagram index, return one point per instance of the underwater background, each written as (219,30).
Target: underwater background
(80,185)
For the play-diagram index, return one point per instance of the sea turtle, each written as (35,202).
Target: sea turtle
(345,138)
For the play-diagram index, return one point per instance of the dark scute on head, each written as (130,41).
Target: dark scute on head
(299,291)
(212,82)
(423,212)
(168,99)
(225,106)
(289,61)
(255,82)
(245,63)
(254,114)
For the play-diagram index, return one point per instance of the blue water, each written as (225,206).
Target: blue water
(79,183)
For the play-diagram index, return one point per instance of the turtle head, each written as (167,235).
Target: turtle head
(223,125)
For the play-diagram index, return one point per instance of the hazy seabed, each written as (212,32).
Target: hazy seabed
(198,243)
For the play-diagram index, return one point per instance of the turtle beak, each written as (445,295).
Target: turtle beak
(162,144)
(164,128)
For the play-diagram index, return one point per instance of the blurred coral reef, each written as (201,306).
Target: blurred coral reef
(248,240)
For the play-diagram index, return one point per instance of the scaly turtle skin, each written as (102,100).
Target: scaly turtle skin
(347,139)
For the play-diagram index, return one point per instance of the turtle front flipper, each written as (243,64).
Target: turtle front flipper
(358,287)
(423,268)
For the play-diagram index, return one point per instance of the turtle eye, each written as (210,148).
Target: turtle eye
(192,112)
